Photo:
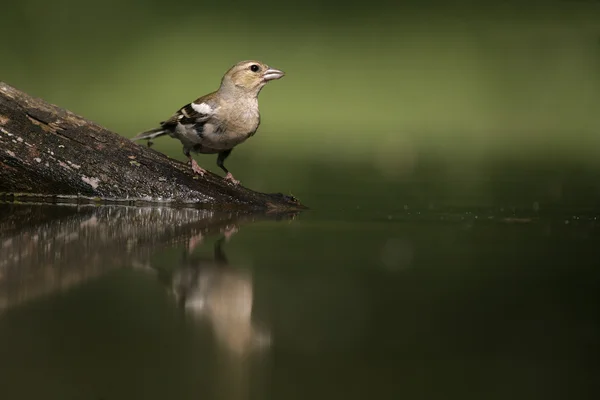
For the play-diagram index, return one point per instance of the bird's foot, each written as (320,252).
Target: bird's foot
(196,168)
(229,177)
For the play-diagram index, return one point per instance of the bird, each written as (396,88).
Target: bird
(219,121)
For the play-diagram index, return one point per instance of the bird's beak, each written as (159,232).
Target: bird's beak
(272,74)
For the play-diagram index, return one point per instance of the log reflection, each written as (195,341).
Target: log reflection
(48,248)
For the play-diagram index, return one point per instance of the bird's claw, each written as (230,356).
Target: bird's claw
(229,177)
(196,168)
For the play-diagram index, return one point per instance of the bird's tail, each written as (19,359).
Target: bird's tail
(151,134)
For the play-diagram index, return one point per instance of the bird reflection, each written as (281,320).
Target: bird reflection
(213,289)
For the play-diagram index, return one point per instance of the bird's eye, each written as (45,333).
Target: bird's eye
(254,68)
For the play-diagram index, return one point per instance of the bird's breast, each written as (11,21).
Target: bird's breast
(225,130)
(245,122)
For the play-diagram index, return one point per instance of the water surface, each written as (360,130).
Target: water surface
(153,303)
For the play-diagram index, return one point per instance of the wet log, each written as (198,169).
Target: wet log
(50,154)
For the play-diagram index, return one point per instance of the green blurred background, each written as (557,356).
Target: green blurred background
(386,106)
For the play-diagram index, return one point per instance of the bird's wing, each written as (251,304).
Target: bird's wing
(197,112)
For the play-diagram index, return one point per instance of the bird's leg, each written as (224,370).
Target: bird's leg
(195,167)
(220,162)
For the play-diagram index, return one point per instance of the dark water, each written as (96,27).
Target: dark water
(155,303)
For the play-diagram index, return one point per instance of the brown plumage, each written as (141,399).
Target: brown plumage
(219,121)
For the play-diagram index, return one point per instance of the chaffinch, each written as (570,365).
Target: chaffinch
(221,120)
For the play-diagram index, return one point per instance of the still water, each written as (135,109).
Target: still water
(161,303)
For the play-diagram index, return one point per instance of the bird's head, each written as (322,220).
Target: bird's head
(249,77)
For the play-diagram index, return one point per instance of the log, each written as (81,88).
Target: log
(50,154)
